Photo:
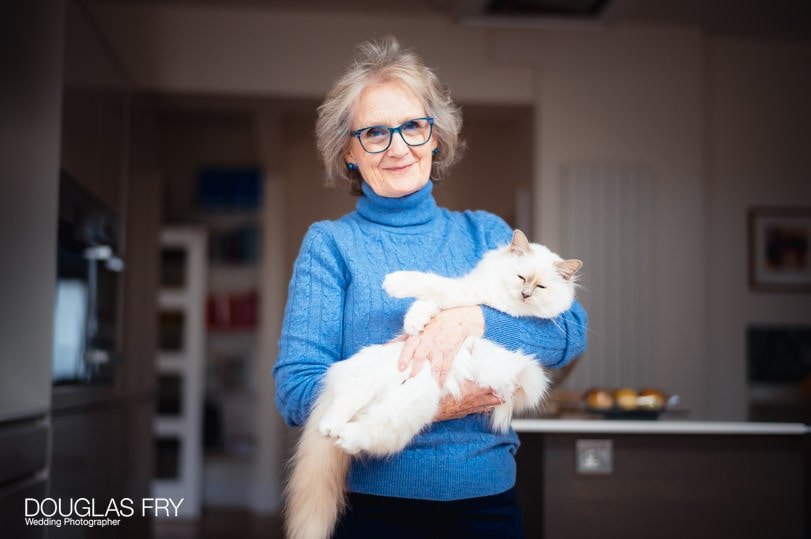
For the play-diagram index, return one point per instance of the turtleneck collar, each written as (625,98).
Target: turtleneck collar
(418,208)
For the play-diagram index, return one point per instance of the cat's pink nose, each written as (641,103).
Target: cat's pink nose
(525,294)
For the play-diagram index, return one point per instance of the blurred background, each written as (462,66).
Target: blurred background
(158,170)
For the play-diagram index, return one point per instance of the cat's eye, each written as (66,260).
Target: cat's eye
(522,278)
(541,286)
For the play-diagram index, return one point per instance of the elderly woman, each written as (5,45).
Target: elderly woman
(389,130)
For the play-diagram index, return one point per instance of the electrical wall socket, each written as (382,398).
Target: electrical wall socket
(594,457)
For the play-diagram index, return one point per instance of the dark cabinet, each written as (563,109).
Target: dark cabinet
(12,507)
(665,486)
(94,456)
(86,462)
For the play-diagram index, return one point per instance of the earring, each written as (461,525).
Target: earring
(435,151)
(352,166)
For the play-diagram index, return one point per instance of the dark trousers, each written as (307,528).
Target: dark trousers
(381,517)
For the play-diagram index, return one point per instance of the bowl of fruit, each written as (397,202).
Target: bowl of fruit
(627,403)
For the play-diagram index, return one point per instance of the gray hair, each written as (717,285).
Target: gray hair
(380,61)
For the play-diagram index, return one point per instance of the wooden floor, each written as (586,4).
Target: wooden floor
(222,524)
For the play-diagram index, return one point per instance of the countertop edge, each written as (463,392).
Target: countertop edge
(656,427)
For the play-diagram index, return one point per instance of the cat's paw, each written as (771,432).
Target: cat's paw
(418,315)
(330,427)
(353,438)
(400,284)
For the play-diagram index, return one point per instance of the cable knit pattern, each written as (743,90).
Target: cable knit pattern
(336,306)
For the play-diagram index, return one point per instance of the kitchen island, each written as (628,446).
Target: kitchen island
(661,479)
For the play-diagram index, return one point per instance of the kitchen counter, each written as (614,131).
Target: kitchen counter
(622,479)
(605,426)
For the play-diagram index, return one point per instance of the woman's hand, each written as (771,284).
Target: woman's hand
(440,340)
(474,400)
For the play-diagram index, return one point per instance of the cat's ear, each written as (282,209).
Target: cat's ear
(567,268)
(519,245)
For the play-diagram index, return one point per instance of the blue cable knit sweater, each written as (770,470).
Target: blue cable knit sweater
(336,306)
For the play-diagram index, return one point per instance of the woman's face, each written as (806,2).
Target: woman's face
(401,169)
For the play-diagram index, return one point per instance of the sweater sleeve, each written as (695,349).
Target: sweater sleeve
(311,332)
(554,342)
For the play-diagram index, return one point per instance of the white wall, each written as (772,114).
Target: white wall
(609,100)
(690,107)
(177,48)
(758,130)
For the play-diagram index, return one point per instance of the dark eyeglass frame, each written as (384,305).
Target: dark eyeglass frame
(392,130)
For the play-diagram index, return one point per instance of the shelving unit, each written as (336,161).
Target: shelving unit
(231,343)
(205,432)
(216,181)
(227,204)
(180,367)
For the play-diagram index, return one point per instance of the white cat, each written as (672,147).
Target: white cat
(360,409)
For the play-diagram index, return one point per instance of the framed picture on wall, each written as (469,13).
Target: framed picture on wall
(780,249)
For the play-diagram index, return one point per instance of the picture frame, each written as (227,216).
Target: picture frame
(780,249)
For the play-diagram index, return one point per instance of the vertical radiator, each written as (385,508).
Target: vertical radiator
(608,221)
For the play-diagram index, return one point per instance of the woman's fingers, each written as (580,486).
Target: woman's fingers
(437,358)
(487,399)
(439,342)
(417,363)
(415,352)
(473,400)
(484,400)
(398,338)
(445,367)
(407,353)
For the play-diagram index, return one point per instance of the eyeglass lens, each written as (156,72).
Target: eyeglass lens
(378,138)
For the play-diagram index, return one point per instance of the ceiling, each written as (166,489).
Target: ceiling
(785,19)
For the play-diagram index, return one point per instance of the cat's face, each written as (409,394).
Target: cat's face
(537,280)
(537,275)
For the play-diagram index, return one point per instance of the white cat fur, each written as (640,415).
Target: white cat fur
(360,409)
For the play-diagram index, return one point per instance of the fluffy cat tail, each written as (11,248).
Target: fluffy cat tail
(315,492)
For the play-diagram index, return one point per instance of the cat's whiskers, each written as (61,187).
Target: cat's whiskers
(557,325)
(574,324)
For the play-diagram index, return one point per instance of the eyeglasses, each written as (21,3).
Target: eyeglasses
(377,138)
